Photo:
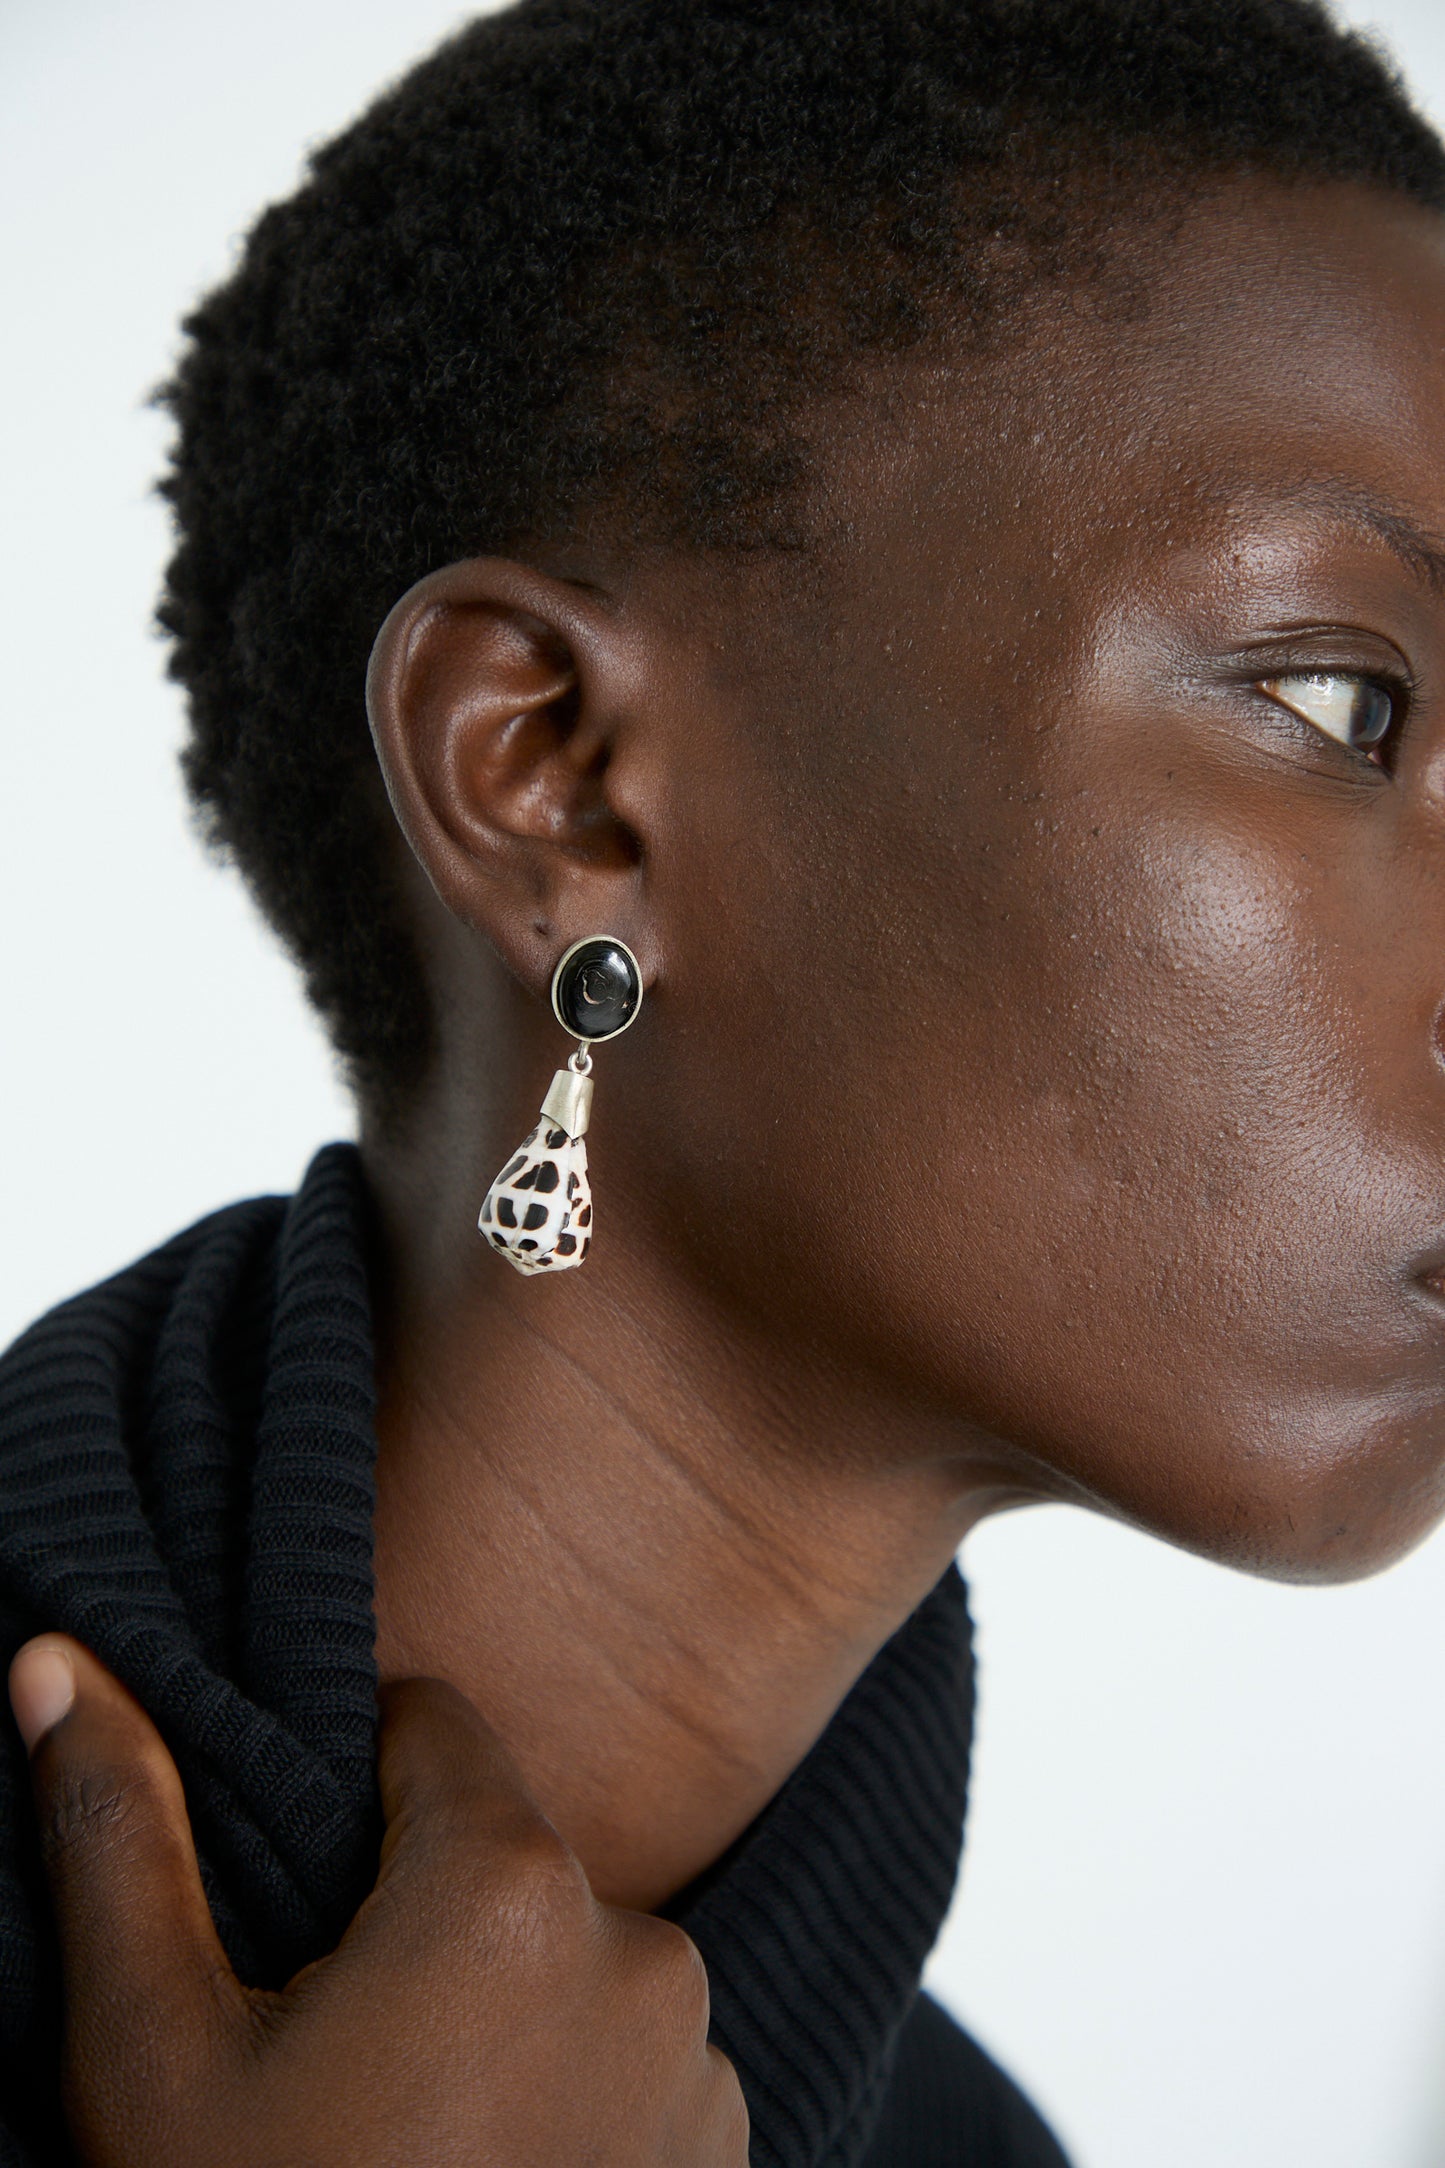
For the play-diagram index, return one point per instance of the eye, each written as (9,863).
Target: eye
(1355,711)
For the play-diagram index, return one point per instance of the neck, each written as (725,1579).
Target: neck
(654,1547)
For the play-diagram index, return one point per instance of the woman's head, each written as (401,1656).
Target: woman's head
(890,450)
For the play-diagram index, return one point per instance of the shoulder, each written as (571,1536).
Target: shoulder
(949,2105)
(79,1384)
(124,1303)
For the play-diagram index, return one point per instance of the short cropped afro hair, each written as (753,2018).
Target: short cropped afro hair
(594,254)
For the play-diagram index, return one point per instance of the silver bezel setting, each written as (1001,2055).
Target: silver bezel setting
(557,969)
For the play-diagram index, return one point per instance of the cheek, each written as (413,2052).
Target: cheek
(1082,1132)
(1224,1149)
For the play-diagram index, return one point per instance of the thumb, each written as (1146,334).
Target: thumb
(146,1977)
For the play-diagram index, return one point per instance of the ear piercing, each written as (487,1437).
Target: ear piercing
(538,1212)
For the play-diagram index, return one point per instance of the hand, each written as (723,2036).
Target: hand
(483,2010)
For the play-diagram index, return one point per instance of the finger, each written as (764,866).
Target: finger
(467,1849)
(142,1958)
(443,1771)
(727,2122)
(664,1978)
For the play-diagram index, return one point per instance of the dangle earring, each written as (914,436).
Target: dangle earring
(538,1212)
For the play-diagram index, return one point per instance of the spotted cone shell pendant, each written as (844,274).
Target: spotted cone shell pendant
(538,1212)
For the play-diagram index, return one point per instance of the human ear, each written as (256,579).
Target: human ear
(500,705)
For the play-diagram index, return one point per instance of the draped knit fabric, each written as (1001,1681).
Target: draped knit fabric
(186,1485)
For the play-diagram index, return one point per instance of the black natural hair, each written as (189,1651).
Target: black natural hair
(597,254)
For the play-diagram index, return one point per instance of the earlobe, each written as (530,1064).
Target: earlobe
(490,695)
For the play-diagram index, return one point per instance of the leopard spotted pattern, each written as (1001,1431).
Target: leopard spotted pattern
(538,1212)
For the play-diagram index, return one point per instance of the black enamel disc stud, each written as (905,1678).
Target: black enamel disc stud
(596,988)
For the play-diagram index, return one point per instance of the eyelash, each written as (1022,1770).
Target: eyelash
(1394,691)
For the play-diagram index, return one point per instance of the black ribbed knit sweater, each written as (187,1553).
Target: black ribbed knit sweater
(186,1485)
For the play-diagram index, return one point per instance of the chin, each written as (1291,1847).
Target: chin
(1328,1513)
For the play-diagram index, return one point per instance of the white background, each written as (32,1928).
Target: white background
(1203,1912)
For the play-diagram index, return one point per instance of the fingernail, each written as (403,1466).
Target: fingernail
(42,1687)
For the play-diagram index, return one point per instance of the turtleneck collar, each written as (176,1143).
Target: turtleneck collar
(187,1485)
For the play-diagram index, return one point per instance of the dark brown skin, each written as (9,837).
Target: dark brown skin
(481,2007)
(1039,1091)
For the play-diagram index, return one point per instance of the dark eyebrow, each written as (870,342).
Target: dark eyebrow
(1415,546)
